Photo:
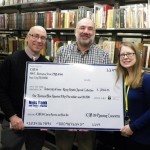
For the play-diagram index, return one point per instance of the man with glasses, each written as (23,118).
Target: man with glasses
(85,51)
(12,77)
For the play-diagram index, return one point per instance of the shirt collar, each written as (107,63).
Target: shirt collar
(85,52)
(28,52)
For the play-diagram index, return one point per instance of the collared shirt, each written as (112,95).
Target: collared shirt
(71,54)
(34,58)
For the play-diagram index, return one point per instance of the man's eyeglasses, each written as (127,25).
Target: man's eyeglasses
(129,55)
(36,37)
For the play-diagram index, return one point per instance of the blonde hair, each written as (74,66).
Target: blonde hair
(136,79)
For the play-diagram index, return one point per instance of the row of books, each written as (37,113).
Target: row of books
(112,47)
(48,19)
(104,16)
(128,16)
(13,2)
(10,44)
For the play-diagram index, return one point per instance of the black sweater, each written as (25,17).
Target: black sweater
(12,77)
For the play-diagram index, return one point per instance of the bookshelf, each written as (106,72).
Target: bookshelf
(62,4)
(22,11)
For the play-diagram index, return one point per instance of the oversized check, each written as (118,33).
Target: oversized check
(73,96)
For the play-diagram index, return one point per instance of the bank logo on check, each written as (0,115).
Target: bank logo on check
(37,104)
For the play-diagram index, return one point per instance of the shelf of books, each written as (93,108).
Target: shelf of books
(124,21)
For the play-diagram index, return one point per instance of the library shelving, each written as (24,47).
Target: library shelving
(16,17)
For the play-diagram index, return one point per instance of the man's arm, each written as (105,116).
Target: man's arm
(5,102)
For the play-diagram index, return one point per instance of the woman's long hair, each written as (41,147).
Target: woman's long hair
(137,68)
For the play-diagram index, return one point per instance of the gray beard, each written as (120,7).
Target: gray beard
(85,44)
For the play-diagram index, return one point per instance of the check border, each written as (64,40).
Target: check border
(45,77)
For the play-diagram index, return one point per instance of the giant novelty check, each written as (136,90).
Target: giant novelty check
(73,96)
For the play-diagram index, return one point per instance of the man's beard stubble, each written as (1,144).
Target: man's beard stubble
(84,43)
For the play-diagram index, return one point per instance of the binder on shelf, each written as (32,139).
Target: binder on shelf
(116,18)
(109,47)
(85,12)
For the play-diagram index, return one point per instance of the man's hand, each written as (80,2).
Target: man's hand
(16,123)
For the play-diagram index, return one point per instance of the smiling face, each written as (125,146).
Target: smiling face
(127,57)
(35,39)
(85,32)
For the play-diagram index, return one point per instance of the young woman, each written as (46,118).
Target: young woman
(137,98)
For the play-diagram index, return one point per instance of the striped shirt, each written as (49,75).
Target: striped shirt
(71,54)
